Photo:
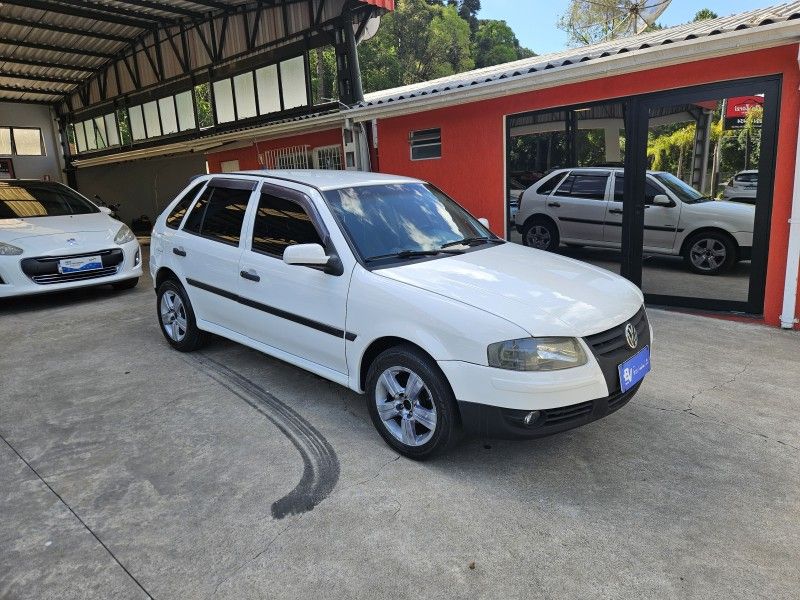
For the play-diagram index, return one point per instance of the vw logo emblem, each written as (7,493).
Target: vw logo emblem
(631,336)
(72,242)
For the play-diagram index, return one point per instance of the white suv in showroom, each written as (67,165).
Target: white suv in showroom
(583,207)
(385,285)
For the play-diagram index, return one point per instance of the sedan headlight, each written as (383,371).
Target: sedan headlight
(124,235)
(537,354)
(9,250)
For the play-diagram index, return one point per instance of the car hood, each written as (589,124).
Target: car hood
(739,215)
(58,236)
(93,223)
(545,294)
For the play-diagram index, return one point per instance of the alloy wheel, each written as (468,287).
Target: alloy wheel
(539,237)
(173,315)
(708,254)
(405,406)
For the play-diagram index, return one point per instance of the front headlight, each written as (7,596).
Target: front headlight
(124,235)
(9,250)
(537,354)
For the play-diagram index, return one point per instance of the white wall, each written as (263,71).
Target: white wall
(13,114)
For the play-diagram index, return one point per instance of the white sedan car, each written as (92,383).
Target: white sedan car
(387,286)
(54,239)
(583,207)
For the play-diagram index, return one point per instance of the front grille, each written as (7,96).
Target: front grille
(44,269)
(564,414)
(66,277)
(606,342)
(611,349)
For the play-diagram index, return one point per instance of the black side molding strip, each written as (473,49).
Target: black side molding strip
(274,311)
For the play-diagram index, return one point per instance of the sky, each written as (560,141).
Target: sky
(534,21)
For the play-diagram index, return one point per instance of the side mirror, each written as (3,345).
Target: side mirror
(662,200)
(312,255)
(484,221)
(105,210)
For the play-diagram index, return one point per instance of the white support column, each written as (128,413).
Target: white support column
(788,318)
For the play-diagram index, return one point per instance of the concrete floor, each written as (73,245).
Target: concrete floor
(128,470)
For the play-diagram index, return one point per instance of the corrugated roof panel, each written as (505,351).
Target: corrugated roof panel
(490,75)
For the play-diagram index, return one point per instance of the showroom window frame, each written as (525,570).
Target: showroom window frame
(636,111)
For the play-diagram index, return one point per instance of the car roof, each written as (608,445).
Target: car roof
(748,172)
(323,179)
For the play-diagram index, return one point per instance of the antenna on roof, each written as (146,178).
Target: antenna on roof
(629,17)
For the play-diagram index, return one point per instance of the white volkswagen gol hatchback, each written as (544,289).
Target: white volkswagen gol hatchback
(53,239)
(387,286)
(583,207)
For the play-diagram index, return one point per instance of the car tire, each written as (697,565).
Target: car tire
(710,253)
(127,284)
(541,234)
(176,317)
(411,403)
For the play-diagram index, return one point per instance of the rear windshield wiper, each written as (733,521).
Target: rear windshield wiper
(412,254)
(474,240)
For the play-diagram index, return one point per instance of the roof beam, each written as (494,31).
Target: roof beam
(40,46)
(84,12)
(42,78)
(22,89)
(61,29)
(167,8)
(212,4)
(45,64)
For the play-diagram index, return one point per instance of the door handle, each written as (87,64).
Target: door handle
(250,275)
(179,251)
(615,211)
(554,204)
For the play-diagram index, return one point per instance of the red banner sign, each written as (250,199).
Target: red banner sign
(738,108)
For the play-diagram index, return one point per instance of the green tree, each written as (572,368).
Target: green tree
(494,43)
(416,42)
(704,14)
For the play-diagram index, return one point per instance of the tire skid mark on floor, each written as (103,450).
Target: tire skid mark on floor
(320,463)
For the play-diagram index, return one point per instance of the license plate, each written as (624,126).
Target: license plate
(633,370)
(78,265)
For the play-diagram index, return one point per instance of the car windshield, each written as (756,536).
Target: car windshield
(384,221)
(681,189)
(26,199)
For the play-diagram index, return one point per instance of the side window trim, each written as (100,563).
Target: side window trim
(200,189)
(224,183)
(298,197)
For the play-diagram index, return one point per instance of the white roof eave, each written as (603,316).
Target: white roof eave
(632,61)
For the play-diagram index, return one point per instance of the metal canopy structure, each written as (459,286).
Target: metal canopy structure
(76,54)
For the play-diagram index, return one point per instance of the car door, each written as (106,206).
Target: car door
(660,222)
(297,309)
(208,249)
(579,205)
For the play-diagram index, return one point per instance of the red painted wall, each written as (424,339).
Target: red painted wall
(248,156)
(472,165)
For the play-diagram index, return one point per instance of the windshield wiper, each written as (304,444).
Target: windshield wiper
(474,240)
(412,254)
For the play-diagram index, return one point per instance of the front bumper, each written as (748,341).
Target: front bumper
(486,421)
(15,282)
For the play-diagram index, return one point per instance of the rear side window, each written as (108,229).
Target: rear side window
(280,223)
(584,185)
(218,214)
(747,178)
(175,217)
(549,184)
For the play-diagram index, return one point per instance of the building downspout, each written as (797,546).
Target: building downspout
(788,319)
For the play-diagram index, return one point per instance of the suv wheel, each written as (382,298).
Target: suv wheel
(176,317)
(710,253)
(541,234)
(411,403)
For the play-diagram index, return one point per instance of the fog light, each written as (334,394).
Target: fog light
(137,259)
(531,417)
